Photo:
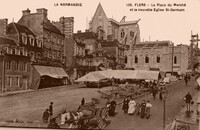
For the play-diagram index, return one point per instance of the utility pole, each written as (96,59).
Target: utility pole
(172,57)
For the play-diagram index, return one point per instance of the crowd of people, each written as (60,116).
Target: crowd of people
(130,107)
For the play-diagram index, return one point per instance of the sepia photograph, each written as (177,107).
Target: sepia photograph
(97,64)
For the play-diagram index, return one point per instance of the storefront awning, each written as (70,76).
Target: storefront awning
(55,72)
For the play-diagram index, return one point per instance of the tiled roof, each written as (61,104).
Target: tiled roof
(86,35)
(22,28)
(8,41)
(51,27)
(109,43)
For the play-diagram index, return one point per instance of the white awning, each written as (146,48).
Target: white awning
(55,72)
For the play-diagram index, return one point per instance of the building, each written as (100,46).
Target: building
(78,59)
(49,71)
(160,55)
(125,32)
(50,36)
(114,49)
(14,66)
(65,25)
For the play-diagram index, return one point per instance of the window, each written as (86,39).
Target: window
(158,58)
(17,65)
(14,65)
(122,33)
(24,39)
(38,56)
(132,34)
(175,60)
(136,59)
(99,45)
(31,54)
(125,61)
(21,52)
(8,65)
(146,58)
(13,51)
(31,40)
(8,81)
(24,66)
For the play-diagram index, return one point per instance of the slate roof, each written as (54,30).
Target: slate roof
(109,43)
(85,35)
(8,41)
(153,44)
(51,27)
(23,29)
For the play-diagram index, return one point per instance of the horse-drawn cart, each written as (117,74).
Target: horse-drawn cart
(87,116)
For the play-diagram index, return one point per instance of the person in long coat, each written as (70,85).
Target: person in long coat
(113,105)
(143,109)
(148,106)
(131,107)
(45,116)
(125,105)
(51,109)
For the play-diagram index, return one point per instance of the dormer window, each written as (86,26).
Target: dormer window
(31,40)
(24,39)
(13,51)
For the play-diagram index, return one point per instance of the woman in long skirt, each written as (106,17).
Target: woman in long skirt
(143,109)
(131,107)
(148,106)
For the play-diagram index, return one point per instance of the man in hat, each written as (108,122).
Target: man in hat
(51,109)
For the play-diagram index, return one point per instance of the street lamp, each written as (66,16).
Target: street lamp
(164,105)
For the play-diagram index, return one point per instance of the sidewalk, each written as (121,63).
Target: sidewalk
(31,90)
(192,119)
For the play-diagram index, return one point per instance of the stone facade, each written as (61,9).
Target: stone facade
(65,25)
(125,32)
(14,66)
(158,54)
(51,37)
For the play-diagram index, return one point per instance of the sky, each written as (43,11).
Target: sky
(175,26)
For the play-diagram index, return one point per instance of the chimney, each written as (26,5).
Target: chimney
(26,12)
(79,31)
(42,11)
(3,27)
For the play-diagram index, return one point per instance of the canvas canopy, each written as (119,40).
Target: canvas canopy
(120,74)
(92,77)
(39,71)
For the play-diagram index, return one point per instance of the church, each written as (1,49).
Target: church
(127,33)
(150,55)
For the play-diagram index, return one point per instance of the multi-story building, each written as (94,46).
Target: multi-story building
(50,36)
(14,66)
(126,32)
(162,55)
(65,25)
(115,49)
(52,41)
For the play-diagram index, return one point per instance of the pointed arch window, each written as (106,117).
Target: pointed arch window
(122,33)
(136,59)
(126,59)
(175,60)
(146,58)
(158,58)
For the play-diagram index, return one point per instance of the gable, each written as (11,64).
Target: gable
(99,19)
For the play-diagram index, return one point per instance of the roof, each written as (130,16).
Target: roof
(153,44)
(22,29)
(8,41)
(85,35)
(109,43)
(122,23)
(51,27)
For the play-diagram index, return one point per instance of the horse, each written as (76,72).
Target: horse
(71,118)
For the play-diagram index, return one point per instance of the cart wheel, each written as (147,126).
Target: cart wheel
(102,123)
